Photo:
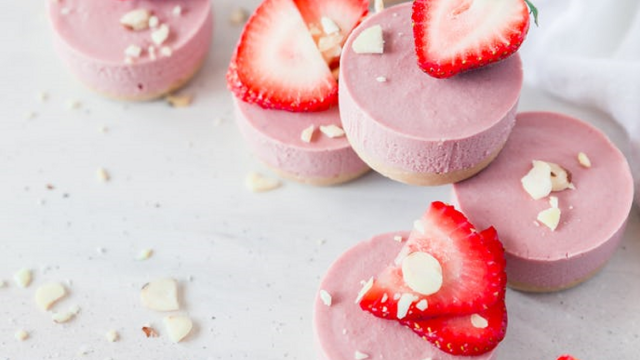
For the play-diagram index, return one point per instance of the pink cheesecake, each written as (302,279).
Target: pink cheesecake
(132,50)
(564,237)
(343,329)
(417,129)
(275,137)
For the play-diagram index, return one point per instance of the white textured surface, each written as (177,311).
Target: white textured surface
(248,264)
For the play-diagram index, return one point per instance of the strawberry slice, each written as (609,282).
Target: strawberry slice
(445,268)
(567,357)
(466,335)
(277,65)
(452,36)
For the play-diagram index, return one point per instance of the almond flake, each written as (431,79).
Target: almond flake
(584,160)
(160,295)
(177,11)
(133,51)
(166,51)
(553,201)
(422,273)
(307,134)
(144,254)
(136,19)
(365,289)
(378,5)
(102,175)
(179,101)
(550,218)
(238,16)
(398,238)
(419,226)
(537,182)
(178,327)
(332,131)
(381,79)
(21,335)
(325,297)
(384,299)
(360,355)
(422,305)
(112,336)
(256,182)
(329,26)
(560,178)
(22,277)
(369,41)
(479,322)
(154,22)
(160,35)
(63,317)
(49,294)
(330,42)
(404,303)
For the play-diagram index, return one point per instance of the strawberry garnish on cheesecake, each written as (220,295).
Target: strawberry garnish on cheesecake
(453,36)
(283,57)
(447,284)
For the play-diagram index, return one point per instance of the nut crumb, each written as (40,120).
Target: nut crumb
(369,41)
(381,79)
(177,11)
(112,336)
(329,26)
(160,35)
(325,297)
(378,5)
(30,115)
(178,327)
(136,19)
(550,218)
(154,22)
(73,104)
(133,51)
(103,175)
(49,294)
(149,331)
(23,277)
(144,254)
(66,316)
(584,160)
(21,335)
(238,16)
(3,284)
(179,101)
(398,238)
(307,134)
(166,51)
(259,183)
(332,131)
(360,355)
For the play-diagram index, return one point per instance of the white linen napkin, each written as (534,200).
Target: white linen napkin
(588,52)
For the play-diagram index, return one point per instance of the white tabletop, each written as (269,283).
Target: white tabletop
(248,264)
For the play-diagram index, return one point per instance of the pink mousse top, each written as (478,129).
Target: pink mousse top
(591,215)
(89,36)
(412,114)
(343,328)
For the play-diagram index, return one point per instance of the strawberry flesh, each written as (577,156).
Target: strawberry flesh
(567,357)
(473,277)
(453,36)
(458,335)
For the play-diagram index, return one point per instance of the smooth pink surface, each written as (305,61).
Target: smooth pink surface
(593,215)
(417,123)
(91,40)
(343,328)
(274,136)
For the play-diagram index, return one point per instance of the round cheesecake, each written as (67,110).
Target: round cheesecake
(132,50)
(417,129)
(276,138)
(342,329)
(592,212)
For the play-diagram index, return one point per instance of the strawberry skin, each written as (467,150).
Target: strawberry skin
(567,357)
(473,276)
(457,335)
(456,36)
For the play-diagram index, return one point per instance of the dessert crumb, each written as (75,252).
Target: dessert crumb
(307,134)
(257,182)
(21,335)
(160,295)
(381,79)
(49,294)
(112,336)
(144,254)
(584,160)
(30,115)
(398,238)
(149,331)
(43,96)
(179,101)
(160,35)
(325,297)
(103,175)
(360,355)
(177,11)
(136,19)
(23,277)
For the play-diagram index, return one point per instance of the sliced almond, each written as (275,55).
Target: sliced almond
(160,35)
(102,175)
(479,322)
(49,294)
(177,10)
(329,26)
(550,218)
(160,295)
(332,131)
(144,254)
(65,316)
(537,182)
(422,305)
(553,201)
(365,289)
(112,336)
(179,101)
(21,335)
(22,277)
(584,160)
(133,51)
(178,327)
(560,178)
(330,42)
(369,41)
(136,19)
(422,273)
(166,51)
(154,22)
(307,134)
(404,303)
(378,5)
(256,182)
(325,297)
(360,355)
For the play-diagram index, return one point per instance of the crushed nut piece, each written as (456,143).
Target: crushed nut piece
(149,331)
(179,101)
(329,26)
(365,289)
(479,322)
(332,131)
(160,35)
(419,226)
(49,294)
(553,201)
(166,51)
(21,335)
(160,295)
(154,22)
(133,51)
(325,297)
(307,134)
(360,355)
(66,316)
(112,336)
(369,41)
(259,183)
(144,254)
(560,178)
(238,16)
(103,175)
(22,277)
(537,182)
(381,79)
(550,218)
(136,19)
(584,160)
(378,5)
(177,11)
(398,238)
(178,327)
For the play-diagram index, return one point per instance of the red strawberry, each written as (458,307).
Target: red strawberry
(466,335)
(567,357)
(277,64)
(472,271)
(460,35)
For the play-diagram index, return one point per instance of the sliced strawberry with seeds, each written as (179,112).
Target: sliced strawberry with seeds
(445,268)
(460,35)
(466,335)
(277,64)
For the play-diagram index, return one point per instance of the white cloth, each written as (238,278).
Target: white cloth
(588,52)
